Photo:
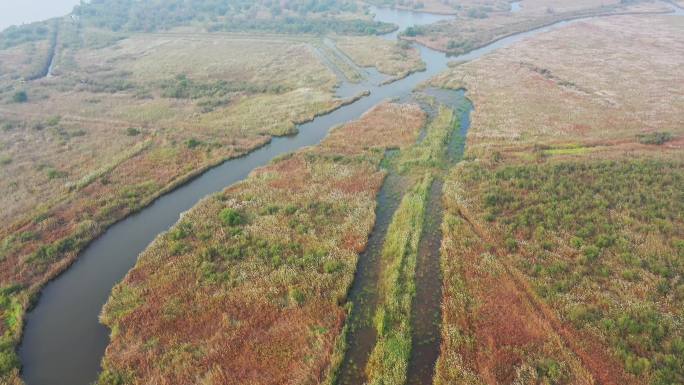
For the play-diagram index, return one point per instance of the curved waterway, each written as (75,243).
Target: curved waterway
(64,342)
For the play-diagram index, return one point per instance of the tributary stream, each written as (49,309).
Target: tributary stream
(64,342)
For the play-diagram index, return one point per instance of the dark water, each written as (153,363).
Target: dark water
(462,107)
(426,313)
(426,310)
(363,295)
(64,342)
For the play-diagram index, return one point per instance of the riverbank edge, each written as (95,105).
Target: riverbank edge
(540,26)
(29,300)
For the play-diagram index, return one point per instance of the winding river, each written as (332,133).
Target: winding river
(63,341)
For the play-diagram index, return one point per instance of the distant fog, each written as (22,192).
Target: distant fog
(16,12)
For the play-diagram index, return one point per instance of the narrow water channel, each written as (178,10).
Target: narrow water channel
(425,313)
(48,66)
(363,295)
(63,340)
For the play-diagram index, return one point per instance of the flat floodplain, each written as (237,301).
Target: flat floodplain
(560,259)
(478,25)
(388,57)
(76,160)
(97,122)
(562,234)
(272,257)
(529,93)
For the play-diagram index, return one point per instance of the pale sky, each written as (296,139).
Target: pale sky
(14,12)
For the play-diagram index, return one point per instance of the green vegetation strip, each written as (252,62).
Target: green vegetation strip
(389,360)
(431,153)
(293,17)
(11,312)
(388,363)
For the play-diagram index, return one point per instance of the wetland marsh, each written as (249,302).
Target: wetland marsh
(316,227)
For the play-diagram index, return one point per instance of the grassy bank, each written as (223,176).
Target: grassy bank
(390,58)
(481,25)
(563,226)
(491,329)
(109,134)
(424,161)
(388,362)
(431,154)
(272,257)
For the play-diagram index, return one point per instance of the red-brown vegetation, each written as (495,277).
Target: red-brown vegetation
(248,286)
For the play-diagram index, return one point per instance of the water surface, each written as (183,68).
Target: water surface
(363,295)
(64,342)
(426,310)
(405,19)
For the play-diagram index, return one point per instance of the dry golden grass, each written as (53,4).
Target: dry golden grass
(22,60)
(560,223)
(569,318)
(390,58)
(540,7)
(590,243)
(74,147)
(466,32)
(269,114)
(106,136)
(257,298)
(92,131)
(491,331)
(593,81)
(92,125)
(288,62)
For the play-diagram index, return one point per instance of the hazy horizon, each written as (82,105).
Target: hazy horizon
(29,11)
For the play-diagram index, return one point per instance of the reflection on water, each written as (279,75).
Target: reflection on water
(405,19)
